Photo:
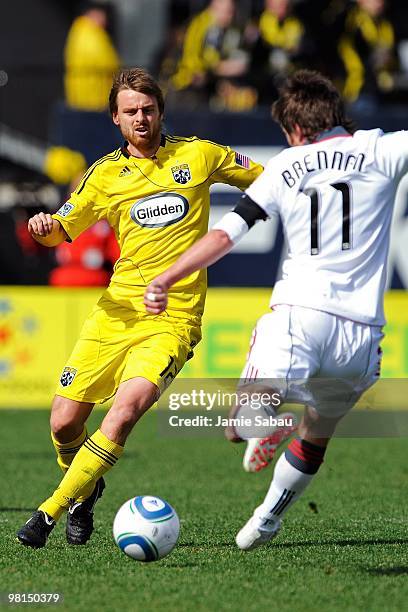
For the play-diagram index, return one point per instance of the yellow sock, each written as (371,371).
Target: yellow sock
(96,456)
(67,451)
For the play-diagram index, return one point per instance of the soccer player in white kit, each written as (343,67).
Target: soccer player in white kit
(334,191)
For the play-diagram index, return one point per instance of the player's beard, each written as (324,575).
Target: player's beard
(145,141)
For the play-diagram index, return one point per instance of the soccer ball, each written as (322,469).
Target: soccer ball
(146,528)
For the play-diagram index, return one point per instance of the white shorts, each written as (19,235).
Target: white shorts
(315,358)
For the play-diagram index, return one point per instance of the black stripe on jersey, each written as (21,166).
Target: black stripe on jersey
(250,211)
(90,170)
(124,150)
(176,139)
(111,157)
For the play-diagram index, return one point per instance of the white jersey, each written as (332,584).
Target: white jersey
(335,198)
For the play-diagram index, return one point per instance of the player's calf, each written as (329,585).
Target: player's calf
(293,473)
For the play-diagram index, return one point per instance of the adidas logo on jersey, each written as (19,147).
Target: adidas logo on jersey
(125,171)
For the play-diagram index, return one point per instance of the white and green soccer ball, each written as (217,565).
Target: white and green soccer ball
(146,528)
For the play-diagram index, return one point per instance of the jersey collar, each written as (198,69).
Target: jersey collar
(126,153)
(335,132)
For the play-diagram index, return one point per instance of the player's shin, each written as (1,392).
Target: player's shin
(66,451)
(95,457)
(293,472)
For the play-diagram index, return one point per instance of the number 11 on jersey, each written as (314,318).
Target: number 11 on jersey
(315,199)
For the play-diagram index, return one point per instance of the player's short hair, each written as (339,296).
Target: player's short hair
(138,80)
(311,101)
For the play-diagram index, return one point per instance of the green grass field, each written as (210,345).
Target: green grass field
(349,553)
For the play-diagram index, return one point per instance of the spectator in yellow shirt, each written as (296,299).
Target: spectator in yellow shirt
(211,52)
(367,49)
(278,49)
(90,60)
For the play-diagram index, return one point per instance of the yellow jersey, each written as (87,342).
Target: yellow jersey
(158,207)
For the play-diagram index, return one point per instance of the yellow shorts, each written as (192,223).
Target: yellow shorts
(117,344)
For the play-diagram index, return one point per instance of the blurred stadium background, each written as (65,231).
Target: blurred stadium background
(219,64)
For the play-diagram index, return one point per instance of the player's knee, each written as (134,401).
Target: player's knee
(62,427)
(62,420)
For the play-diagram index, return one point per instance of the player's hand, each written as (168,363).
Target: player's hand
(156,297)
(41,224)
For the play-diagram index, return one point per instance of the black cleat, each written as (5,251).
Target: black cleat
(36,530)
(80,517)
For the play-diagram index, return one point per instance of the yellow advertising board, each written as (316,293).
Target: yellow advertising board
(39,326)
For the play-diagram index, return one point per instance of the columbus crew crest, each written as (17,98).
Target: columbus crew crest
(181,174)
(67,376)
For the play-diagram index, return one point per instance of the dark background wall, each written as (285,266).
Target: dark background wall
(32,36)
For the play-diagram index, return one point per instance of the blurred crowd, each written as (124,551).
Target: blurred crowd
(230,55)
(237,61)
(219,55)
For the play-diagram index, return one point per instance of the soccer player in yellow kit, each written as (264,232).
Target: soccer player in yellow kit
(154,192)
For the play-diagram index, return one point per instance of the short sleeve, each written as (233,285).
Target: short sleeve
(231,167)
(86,205)
(263,190)
(392,154)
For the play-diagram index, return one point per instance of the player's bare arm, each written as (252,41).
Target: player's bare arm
(214,245)
(202,254)
(46,230)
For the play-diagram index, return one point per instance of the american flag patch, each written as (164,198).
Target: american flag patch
(242,160)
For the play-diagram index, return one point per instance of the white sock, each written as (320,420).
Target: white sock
(287,485)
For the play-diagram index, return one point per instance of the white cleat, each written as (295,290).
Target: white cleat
(260,451)
(252,535)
